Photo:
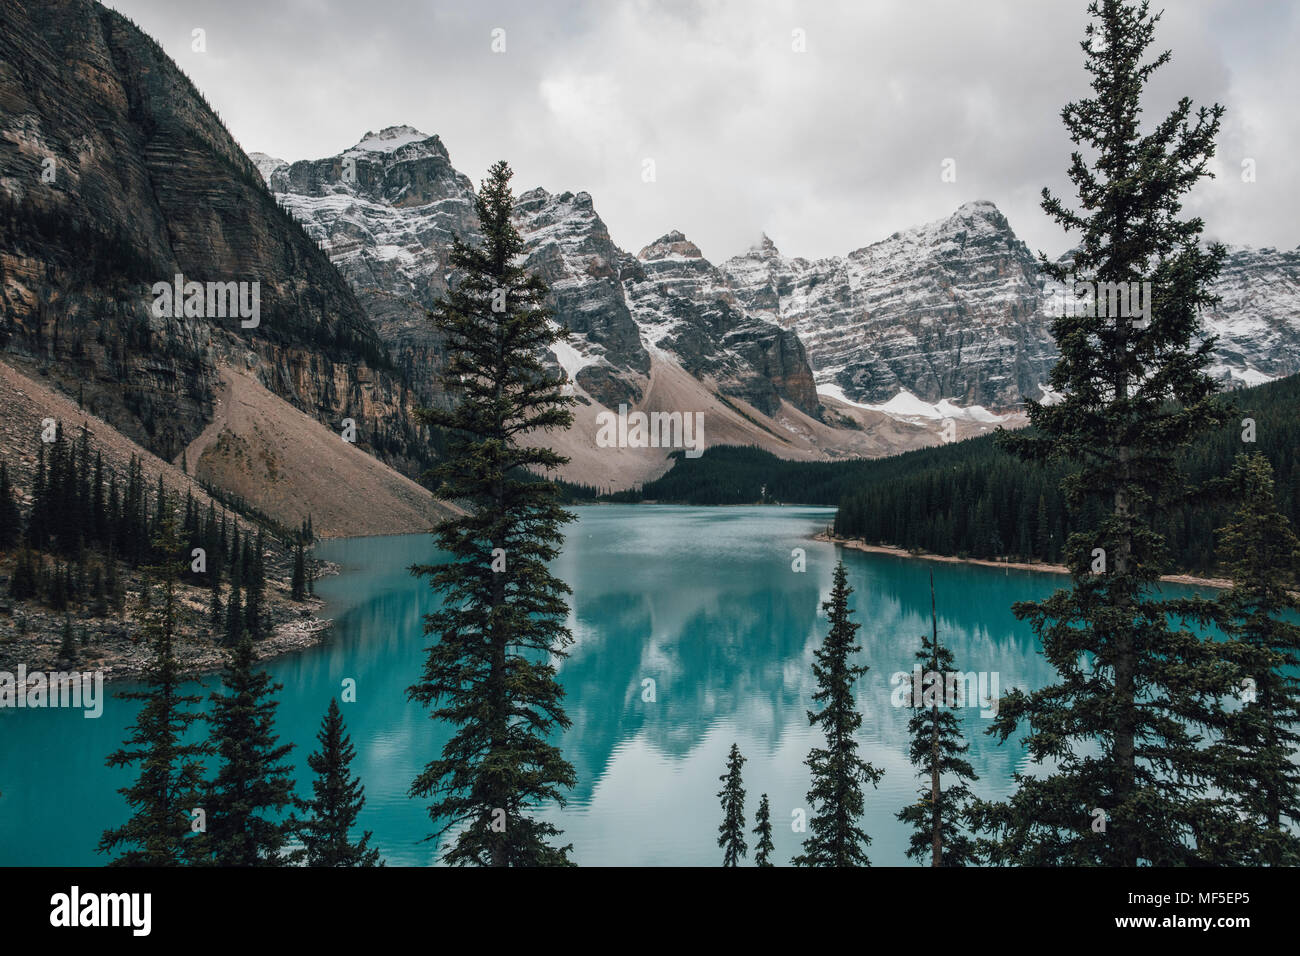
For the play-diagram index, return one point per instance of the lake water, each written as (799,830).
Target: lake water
(702,601)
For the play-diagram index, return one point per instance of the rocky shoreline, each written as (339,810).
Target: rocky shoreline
(31,635)
(858,545)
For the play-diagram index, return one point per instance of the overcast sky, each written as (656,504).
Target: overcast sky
(825,150)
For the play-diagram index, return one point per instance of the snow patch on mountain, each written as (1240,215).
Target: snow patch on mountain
(571,360)
(389,139)
(266,165)
(907,407)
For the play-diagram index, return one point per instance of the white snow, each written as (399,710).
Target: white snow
(905,405)
(1050,397)
(265,164)
(1243,376)
(570,359)
(974,413)
(384,253)
(387,140)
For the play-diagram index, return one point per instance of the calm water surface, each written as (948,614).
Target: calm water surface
(702,601)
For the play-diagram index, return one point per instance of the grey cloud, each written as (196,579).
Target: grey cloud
(825,150)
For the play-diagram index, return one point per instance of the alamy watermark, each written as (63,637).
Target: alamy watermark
(922,688)
(80,689)
(1130,300)
(75,909)
(651,430)
(208,300)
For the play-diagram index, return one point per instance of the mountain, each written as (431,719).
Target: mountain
(569,247)
(957,311)
(685,306)
(1257,320)
(662,330)
(117,178)
(947,310)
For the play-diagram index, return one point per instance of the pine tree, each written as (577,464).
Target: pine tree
(1042,532)
(256,585)
(113,589)
(234,608)
(84,512)
(298,585)
(253,784)
(1257,784)
(1135,393)
(161,505)
(167,788)
(212,543)
(835,797)
(731,832)
(216,613)
(937,751)
(98,593)
(10,521)
(37,527)
(98,506)
(501,626)
(763,830)
(25,582)
(58,589)
(339,797)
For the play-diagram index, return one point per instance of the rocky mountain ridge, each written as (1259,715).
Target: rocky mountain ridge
(115,175)
(957,310)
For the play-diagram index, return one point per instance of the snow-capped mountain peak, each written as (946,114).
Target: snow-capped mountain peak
(670,246)
(392,138)
(265,164)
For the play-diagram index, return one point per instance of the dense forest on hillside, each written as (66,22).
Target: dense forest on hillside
(972,499)
(84,528)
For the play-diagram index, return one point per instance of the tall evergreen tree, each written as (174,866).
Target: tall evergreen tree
(937,750)
(98,505)
(85,514)
(10,521)
(490,672)
(731,832)
(216,613)
(763,830)
(1256,782)
(838,773)
(170,770)
(37,528)
(1042,532)
(256,585)
(234,605)
(1131,682)
(253,784)
(113,589)
(326,832)
(298,584)
(25,582)
(67,644)
(162,508)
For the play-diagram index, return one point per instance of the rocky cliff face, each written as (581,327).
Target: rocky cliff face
(684,305)
(949,310)
(116,176)
(957,310)
(387,218)
(569,246)
(386,211)
(1257,320)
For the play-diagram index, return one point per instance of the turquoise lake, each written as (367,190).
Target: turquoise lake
(701,601)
